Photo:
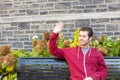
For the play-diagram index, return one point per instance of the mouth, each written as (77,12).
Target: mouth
(81,41)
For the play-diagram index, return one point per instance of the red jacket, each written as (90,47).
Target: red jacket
(81,65)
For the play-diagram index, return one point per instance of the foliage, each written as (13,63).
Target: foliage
(107,46)
(40,46)
(75,40)
(9,62)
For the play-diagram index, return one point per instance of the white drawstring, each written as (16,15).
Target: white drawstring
(85,61)
(89,52)
(78,54)
(85,66)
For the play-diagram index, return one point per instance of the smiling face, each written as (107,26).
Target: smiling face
(84,39)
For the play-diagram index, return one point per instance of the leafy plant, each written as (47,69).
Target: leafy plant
(107,46)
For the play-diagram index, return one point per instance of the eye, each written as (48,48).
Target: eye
(84,36)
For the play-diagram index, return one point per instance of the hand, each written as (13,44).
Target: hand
(88,78)
(58,27)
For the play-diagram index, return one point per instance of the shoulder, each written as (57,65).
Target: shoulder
(96,52)
(71,48)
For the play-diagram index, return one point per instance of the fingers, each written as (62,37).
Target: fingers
(88,78)
(58,27)
(60,24)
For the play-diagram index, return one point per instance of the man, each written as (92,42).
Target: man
(85,62)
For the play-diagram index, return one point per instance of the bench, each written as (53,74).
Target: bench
(113,66)
(57,69)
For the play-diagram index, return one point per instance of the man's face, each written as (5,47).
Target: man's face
(84,38)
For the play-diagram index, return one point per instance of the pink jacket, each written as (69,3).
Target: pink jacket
(81,65)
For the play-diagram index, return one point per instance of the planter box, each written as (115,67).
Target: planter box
(57,69)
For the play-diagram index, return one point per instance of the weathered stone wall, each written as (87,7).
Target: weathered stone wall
(20,20)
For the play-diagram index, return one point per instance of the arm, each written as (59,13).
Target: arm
(102,69)
(53,49)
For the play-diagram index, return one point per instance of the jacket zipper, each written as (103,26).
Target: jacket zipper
(85,71)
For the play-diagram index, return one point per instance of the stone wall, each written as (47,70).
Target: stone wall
(20,20)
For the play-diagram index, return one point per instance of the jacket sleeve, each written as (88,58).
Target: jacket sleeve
(102,72)
(53,49)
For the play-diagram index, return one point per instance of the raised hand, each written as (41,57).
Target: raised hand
(58,27)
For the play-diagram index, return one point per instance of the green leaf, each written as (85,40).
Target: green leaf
(4,66)
(10,68)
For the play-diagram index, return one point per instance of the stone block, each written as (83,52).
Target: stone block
(24,26)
